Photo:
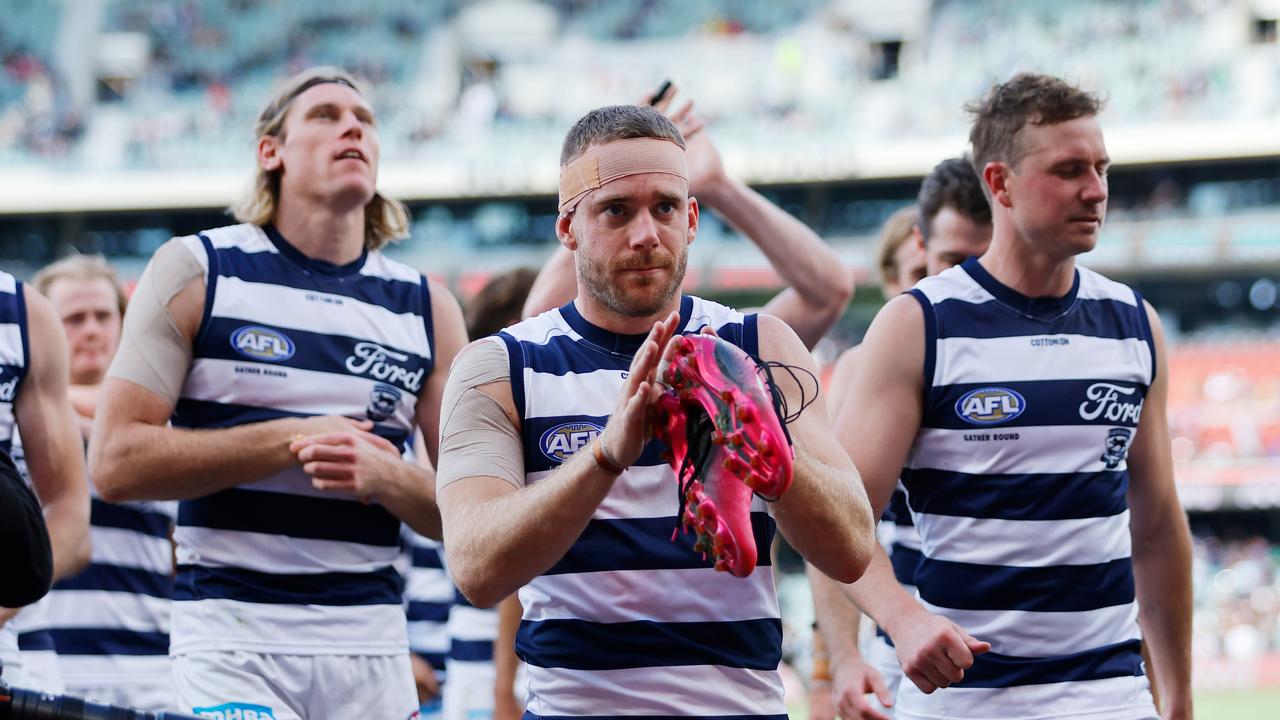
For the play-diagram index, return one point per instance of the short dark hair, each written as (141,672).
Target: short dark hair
(1027,98)
(955,184)
(617,122)
(500,302)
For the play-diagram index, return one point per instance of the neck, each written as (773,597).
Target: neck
(604,318)
(319,231)
(1018,265)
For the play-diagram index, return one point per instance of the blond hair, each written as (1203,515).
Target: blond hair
(385,219)
(84,268)
(896,230)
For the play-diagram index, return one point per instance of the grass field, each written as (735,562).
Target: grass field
(1238,705)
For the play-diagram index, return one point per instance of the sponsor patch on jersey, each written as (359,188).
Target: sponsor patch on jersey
(383,400)
(1117,447)
(562,441)
(260,343)
(236,711)
(990,406)
(8,387)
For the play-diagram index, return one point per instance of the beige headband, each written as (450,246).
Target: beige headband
(618,159)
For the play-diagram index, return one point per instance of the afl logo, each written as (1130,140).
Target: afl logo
(261,343)
(990,406)
(562,441)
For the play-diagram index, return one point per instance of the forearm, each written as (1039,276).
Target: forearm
(68,521)
(819,285)
(1162,574)
(498,545)
(879,595)
(826,516)
(411,497)
(140,461)
(837,618)
(505,661)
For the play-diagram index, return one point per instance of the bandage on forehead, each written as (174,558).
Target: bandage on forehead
(617,159)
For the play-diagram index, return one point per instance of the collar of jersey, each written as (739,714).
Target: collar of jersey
(612,342)
(311,265)
(1037,308)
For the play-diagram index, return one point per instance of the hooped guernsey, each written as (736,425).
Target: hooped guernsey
(1017,485)
(627,622)
(275,565)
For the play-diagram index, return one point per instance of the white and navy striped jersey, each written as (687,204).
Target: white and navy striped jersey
(1017,481)
(902,542)
(628,622)
(110,623)
(428,598)
(14,352)
(275,565)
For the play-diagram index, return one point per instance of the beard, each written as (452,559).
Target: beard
(649,299)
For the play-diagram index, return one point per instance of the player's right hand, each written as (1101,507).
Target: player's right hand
(934,652)
(627,433)
(852,680)
(424,678)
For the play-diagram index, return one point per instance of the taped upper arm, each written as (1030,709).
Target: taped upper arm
(479,433)
(156,344)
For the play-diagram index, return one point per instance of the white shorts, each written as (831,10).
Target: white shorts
(149,696)
(254,686)
(881,656)
(468,692)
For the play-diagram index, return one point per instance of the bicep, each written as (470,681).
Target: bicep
(798,381)
(450,338)
(1150,459)
(882,412)
(556,284)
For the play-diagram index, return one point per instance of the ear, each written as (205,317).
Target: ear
(693,219)
(269,153)
(998,176)
(564,232)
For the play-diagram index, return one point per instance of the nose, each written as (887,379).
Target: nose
(643,233)
(352,127)
(1095,190)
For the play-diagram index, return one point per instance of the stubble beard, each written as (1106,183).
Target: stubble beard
(599,283)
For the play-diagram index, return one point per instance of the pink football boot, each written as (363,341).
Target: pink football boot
(726,442)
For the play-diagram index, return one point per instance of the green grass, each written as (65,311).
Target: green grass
(1238,705)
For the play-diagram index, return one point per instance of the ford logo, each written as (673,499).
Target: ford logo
(260,343)
(990,406)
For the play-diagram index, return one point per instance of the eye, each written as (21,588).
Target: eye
(666,206)
(614,210)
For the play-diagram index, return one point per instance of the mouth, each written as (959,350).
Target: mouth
(352,155)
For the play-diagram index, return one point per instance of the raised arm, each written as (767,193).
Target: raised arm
(51,438)
(877,426)
(818,286)
(502,533)
(825,515)
(134,454)
(1161,544)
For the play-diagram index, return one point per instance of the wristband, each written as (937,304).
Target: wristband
(597,451)
(821,670)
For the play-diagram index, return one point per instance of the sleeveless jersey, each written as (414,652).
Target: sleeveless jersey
(110,623)
(428,597)
(1017,482)
(275,565)
(14,354)
(628,622)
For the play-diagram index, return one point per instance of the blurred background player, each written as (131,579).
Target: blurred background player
(1034,448)
(295,361)
(950,222)
(110,623)
(34,401)
(462,669)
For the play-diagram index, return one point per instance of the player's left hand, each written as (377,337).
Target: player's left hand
(352,461)
(6,614)
(706,170)
(424,678)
